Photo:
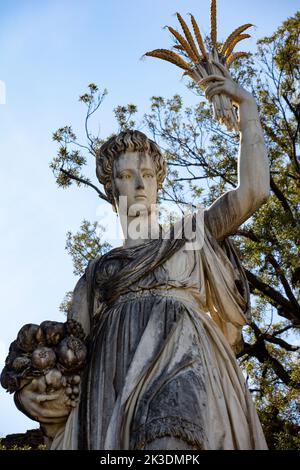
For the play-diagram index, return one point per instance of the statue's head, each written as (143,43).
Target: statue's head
(129,164)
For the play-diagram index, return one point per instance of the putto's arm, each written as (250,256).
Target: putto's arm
(230,210)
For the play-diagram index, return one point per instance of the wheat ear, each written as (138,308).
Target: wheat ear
(198,36)
(233,43)
(169,56)
(233,35)
(179,47)
(233,57)
(188,35)
(194,57)
(213,22)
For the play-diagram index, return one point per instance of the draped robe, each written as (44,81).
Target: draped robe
(163,324)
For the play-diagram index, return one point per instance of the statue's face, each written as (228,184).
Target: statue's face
(135,178)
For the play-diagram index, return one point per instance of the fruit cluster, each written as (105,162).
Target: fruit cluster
(52,349)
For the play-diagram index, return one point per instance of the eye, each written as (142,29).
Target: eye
(125,176)
(148,175)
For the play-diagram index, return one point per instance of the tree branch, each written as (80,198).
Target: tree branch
(282,330)
(283,344)
(283,280)
(269,257)
(285,307)
(259,350)
(86,182)
(281,197)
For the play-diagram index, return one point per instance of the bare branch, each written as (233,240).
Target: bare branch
(285,307)
(282,330)
(281,343)
(85,182)
(283,280)
(259,350)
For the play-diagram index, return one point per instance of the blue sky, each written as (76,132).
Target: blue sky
(49,52)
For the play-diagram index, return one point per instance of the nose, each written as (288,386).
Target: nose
(139,183)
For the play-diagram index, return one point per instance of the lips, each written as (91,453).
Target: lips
(141,195)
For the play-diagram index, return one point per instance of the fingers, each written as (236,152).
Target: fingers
(211,78)
(222,69)
(214,89)
(47,397)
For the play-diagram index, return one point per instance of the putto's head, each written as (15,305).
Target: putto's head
(130,165)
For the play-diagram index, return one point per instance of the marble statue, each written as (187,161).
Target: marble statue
(163,322)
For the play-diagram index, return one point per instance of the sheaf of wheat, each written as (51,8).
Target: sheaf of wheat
(198,62)
(194,49)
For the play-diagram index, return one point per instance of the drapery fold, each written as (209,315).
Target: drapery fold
(148,350)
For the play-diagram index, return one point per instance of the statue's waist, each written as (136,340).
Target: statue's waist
(177,294)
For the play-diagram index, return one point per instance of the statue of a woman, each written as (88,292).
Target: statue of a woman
(163,320)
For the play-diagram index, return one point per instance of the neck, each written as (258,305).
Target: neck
(139,230)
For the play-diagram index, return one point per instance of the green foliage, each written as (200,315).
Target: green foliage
(24,447)
(83,246)
(124,116)
(67,165)
(86,245)
(201,160)
(66,303)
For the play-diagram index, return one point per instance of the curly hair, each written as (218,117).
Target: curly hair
(127,141)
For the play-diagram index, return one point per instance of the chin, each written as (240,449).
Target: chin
(137,207)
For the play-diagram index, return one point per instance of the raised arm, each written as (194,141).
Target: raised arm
(231,209)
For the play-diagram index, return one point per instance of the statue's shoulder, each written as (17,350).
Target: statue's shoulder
(90,270)
(86,278)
